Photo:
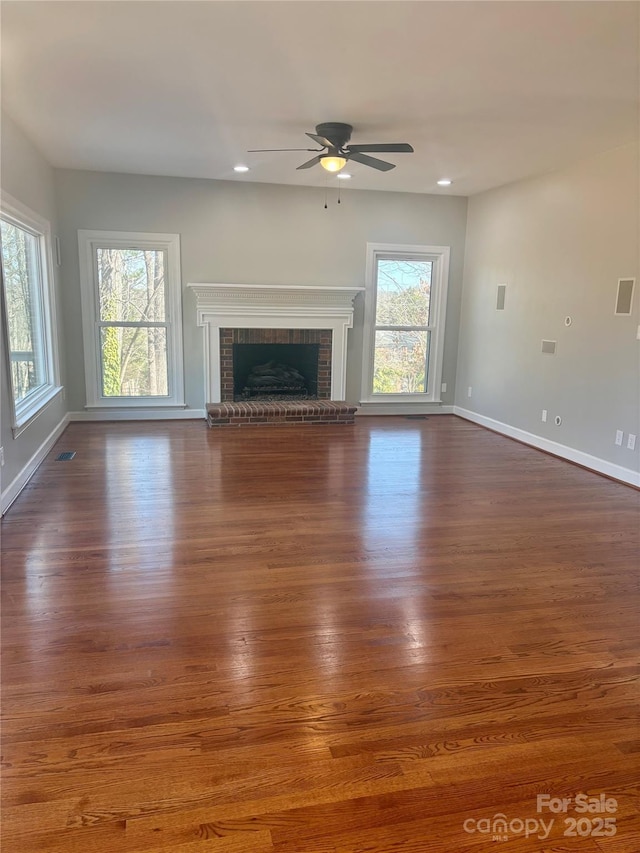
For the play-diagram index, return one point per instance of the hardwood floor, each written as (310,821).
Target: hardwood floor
(327,639)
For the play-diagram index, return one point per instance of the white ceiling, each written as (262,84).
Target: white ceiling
(486,92)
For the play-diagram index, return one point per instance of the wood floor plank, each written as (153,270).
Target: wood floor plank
(314,641)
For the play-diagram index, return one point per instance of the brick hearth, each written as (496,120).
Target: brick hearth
(293,411)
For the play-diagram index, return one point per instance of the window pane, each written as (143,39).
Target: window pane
(400,362)
(403,293)
(131,285)
(21,271)
(134,361)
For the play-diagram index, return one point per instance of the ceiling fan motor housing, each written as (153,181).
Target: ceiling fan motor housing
(336,132)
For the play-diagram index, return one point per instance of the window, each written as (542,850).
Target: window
(29,310)
(131,306)
(404,322)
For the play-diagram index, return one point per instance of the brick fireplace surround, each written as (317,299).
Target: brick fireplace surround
(275,314)
(229,337)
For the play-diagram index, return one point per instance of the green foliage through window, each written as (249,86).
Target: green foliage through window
(131,290)
(403,304)
(23,304)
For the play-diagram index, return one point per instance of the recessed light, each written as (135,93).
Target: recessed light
(445,182)
(344,176)
(240,168)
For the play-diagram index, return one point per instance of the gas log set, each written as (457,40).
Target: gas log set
(274,378)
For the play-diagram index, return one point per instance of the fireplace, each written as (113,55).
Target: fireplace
(233,314)
(275,371)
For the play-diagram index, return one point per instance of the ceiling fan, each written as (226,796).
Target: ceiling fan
(334,136)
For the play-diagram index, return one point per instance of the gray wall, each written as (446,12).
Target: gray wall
(246,233)
(28,178)
(560,243)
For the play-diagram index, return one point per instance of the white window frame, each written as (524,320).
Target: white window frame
(439,256)
(24,411)
(88,243)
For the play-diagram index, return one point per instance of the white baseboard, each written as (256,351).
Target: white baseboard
(20,481)
(138,415)
(366,409)
(618,472)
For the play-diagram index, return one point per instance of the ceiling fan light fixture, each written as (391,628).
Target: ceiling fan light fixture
(333,153)
(332,163)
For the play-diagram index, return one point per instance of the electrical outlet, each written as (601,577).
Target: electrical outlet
(619,437)
(544,416)
(469,391)
(1,455)
(631,442)
(443,387)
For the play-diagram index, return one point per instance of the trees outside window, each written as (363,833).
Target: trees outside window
(403,299)
(132,310)
(28,309)
(133,339)
(404,322)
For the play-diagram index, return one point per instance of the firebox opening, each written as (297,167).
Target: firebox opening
(275,371)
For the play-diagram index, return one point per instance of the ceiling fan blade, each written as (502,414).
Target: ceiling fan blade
(380,165)
(389,147)
(257,150)
(309,163)
(326,143)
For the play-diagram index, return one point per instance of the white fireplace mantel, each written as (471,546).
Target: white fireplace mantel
(266,306)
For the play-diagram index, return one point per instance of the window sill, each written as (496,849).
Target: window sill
(405,407)
(400,399)
(125,406)
(27,415)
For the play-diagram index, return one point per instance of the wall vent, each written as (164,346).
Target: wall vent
(502,292)
(549,347)
(624,299)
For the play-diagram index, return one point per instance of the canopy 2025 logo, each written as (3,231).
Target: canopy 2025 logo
(591,817)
